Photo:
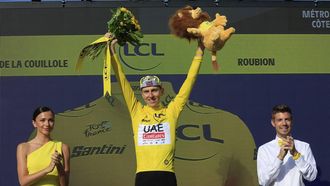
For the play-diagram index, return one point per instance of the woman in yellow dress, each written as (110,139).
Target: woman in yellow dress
(43,161)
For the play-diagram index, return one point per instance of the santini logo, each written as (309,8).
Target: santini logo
(148,51)
(78,151)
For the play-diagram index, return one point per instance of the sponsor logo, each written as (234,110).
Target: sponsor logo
(34,63)
(205,130)
(159,117)
(145,50)
(158,134)
(206,135)
(256,61)
(145,120)
(154,135)
(153,128)
(82,150)
(319,19)
(97,128)
(153,131)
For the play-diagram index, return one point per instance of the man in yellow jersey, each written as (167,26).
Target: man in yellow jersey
(154,125)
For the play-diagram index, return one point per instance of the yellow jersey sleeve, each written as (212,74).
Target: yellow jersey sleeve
(130,99)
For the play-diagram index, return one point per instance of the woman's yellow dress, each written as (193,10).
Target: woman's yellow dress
(40,159)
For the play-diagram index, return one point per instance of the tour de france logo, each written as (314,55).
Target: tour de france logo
(94,129)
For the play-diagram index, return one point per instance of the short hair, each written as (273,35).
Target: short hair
(39,110)
(281,109)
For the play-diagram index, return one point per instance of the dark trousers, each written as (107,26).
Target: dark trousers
(155,178)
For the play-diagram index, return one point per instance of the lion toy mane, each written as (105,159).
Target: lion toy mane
(193,24)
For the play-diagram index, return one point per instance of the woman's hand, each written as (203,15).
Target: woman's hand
(51,166)
(57,158)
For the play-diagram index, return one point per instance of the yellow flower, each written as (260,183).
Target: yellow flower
(135,23)
(123,9)
(138,27)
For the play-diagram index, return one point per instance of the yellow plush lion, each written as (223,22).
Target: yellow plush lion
(190,23)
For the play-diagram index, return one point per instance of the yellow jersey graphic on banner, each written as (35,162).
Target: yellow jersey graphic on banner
(213,147)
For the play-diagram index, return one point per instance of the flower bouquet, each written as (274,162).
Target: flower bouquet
(123,26)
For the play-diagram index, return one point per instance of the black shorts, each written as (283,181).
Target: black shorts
(155,178)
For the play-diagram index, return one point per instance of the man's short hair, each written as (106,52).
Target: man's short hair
(281,109)
(149,81)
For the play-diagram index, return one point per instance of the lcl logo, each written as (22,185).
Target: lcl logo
(143,50)
(206,135)
(206,130)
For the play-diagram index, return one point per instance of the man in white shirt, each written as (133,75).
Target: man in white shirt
(285,161)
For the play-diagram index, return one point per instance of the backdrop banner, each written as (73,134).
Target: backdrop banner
(277,55)
(270,54)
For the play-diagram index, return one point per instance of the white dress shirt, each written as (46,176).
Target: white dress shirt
(275,172)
